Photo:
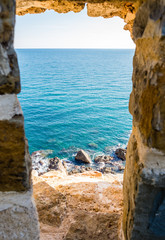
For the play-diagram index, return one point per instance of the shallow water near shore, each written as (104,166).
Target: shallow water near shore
(76,98)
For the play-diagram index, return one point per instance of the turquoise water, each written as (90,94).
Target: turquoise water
(76,99)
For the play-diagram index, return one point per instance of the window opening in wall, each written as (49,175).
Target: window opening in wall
(76,81)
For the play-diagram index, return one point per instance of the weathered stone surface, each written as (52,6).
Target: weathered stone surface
(24,6)
(15,161)
(82,156)
(145,162)
(95,8)
(9,106)
(9,71)
(146,101)
(144,179)
(18,218)
(81,206)
(51,204)
(108,9)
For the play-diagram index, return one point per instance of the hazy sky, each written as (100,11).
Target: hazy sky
(54,30)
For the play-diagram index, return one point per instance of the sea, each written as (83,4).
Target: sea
(76,99)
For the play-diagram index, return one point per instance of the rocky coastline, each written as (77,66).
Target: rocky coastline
(42,163)
(81,199)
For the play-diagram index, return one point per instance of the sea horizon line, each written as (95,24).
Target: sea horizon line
(79,48)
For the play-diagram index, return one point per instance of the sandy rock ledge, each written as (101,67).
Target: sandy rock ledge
(80,206)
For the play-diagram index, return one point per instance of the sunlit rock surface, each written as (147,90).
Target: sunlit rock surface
(81,206)
(107,9)
(24,7)
(144,178)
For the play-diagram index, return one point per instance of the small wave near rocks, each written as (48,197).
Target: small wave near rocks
(81,161)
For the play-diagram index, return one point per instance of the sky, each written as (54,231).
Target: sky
(71,30)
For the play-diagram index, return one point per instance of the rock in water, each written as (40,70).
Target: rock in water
(105,159)
(121,153)
(83,156)
(56,164)
(93,145)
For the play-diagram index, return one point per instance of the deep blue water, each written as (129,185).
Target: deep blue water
(75,98)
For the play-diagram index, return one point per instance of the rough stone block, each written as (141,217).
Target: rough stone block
(15,163)
(9,71)
(18,217)
(14,169)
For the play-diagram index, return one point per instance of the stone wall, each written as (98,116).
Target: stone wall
(18,218)
(144,178)
(125,9)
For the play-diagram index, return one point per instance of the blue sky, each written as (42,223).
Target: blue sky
(71,30)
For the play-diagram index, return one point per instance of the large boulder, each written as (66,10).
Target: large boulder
(121,153)
(82,156)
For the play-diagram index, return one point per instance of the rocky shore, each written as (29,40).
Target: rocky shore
(82,162)
(76,202)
